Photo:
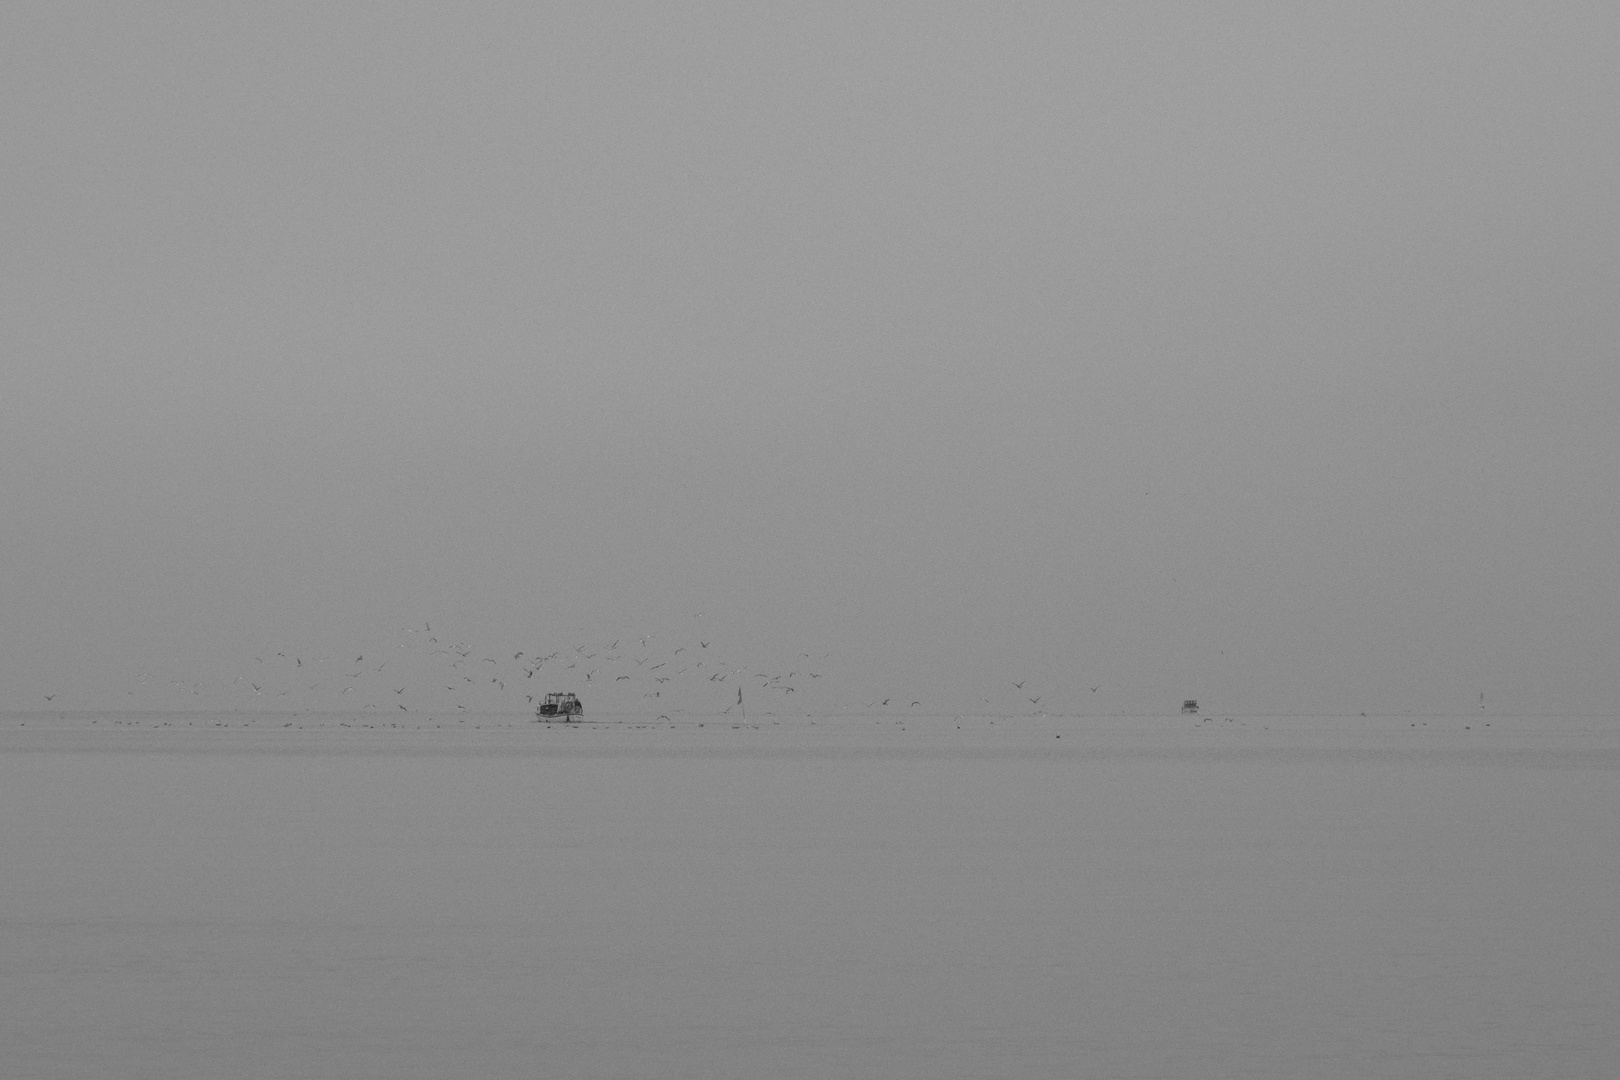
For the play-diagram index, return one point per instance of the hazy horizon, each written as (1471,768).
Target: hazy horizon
(1249,353)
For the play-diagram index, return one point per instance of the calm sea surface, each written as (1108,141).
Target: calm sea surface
(208,896)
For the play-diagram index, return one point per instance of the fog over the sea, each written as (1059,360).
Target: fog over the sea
(1257,353)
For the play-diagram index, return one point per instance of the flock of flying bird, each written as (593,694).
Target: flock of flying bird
(419,670)
(424,671)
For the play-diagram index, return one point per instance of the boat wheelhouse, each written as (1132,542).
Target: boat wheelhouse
(560,705)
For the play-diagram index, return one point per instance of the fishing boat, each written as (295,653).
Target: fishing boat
(1189,706)
(559,705)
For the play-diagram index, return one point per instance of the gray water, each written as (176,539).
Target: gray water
(235,896)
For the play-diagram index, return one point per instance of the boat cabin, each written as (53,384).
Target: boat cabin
(560,705)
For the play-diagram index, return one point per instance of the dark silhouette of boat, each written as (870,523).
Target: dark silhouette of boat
(563,705)
(1189,706)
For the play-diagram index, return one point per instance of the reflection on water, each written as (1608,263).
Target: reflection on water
(810,896)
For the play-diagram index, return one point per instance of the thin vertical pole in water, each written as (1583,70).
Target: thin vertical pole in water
(739,702)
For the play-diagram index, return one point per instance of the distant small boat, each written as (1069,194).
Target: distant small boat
(1189,706)
(560,705)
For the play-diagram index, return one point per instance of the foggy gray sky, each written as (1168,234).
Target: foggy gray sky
(1262,353)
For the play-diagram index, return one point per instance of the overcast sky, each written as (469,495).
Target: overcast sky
(1259,353)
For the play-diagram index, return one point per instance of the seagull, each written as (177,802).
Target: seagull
(1019,685)
(1094,689)
(1036,700)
